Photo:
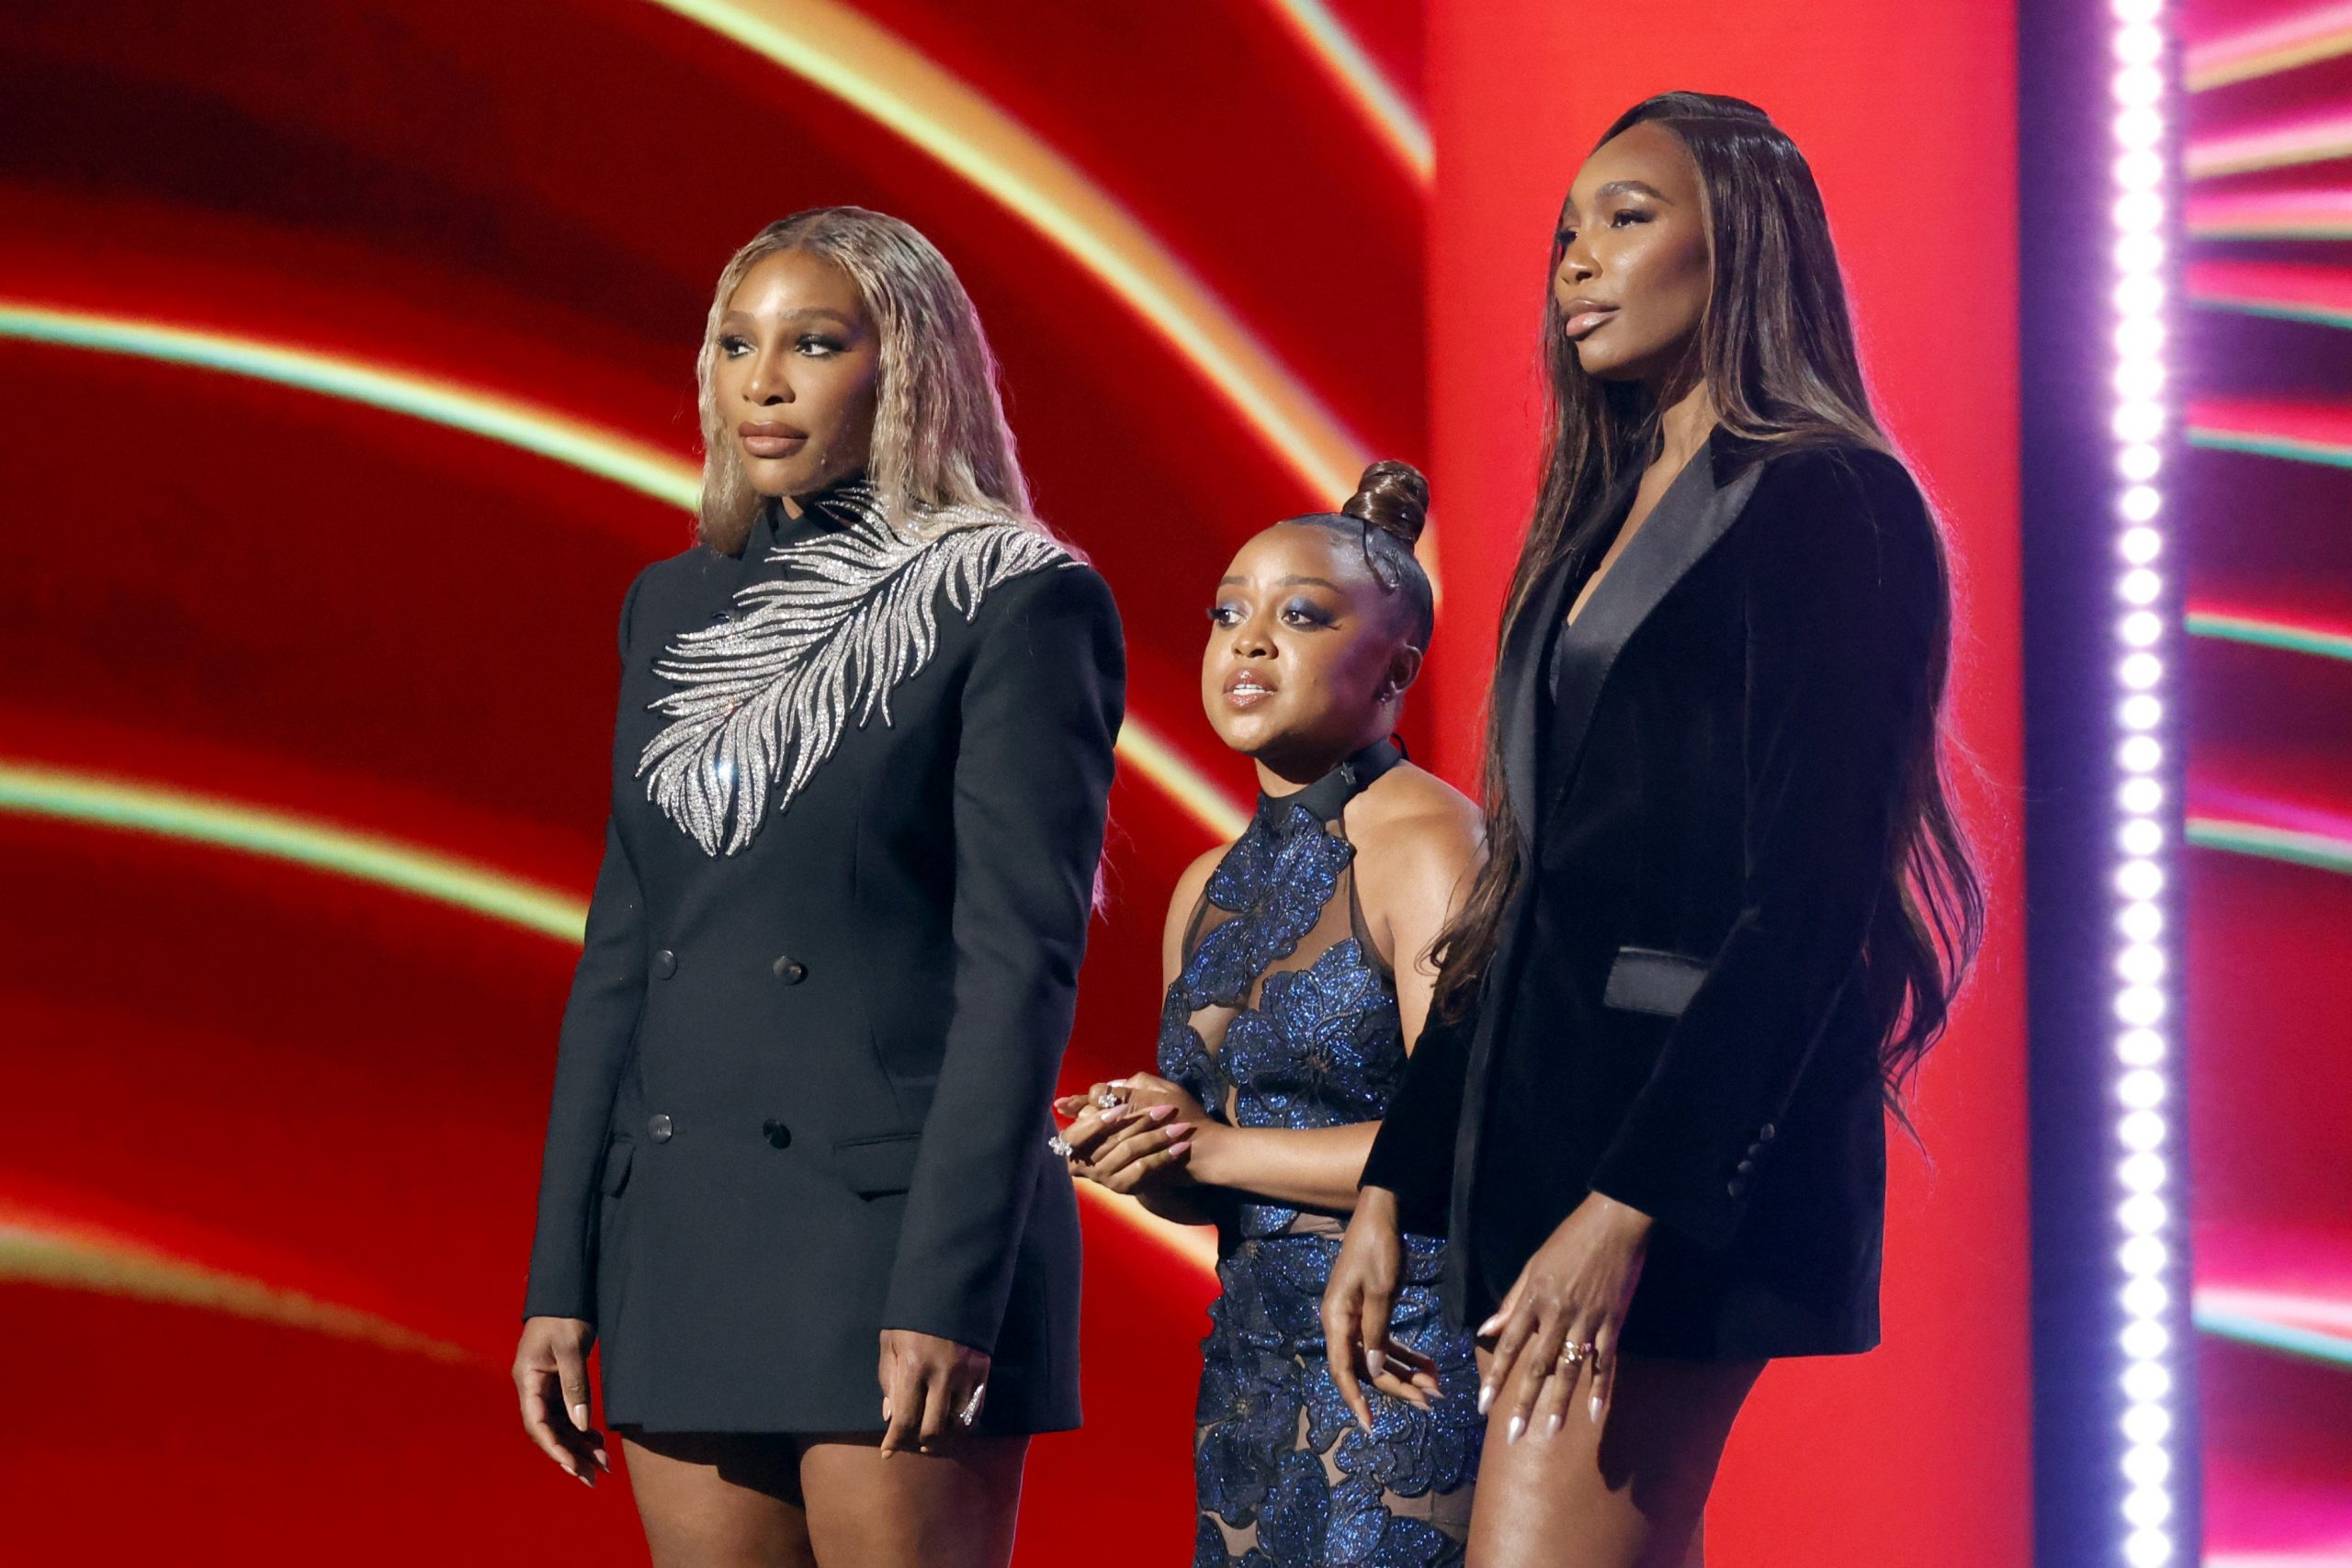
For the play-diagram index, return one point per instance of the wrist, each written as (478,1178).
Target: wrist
(1210,1161)
(1623,1218)
(1378,1203)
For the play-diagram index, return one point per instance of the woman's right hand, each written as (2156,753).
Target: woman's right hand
(551,1382)
(1357,1306)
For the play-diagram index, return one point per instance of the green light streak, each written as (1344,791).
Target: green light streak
(2277,310)
(646,469)
(2270,634)
(2308,1343)
(130,808)
(2288,447)
(2315,850)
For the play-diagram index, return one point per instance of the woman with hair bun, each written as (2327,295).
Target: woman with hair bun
(796,1179)
(1298,978)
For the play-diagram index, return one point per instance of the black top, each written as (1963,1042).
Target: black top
(801,1095)
(1705,771)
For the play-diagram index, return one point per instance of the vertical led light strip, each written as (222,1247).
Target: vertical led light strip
(2150,1258)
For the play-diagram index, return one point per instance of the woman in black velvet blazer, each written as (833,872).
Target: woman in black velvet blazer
(1725,904)
(796,1180)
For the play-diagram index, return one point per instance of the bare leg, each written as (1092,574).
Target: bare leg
(1630,1497)
(908,1510)
(720,1500)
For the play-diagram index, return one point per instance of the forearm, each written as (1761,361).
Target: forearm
(1314,1168)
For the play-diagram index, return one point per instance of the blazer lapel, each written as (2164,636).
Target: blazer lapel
(1704,501)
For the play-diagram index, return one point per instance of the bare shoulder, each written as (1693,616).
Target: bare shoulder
(1414,833)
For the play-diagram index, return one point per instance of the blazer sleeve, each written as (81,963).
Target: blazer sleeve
(599,1022)
(1412,1154)
(1041,709)
(1840,596)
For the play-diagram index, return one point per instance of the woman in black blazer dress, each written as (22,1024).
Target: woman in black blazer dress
(796,1179)
(1727,904)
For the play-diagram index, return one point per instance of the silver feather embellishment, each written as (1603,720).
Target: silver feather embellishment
(761,701)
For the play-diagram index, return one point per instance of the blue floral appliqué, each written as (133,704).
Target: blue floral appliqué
(1286,1478)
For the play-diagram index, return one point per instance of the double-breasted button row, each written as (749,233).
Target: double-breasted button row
(662,1129)
(789,970)
(1747,1167)
(665,964)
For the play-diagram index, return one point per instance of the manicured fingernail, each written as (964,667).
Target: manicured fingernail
(1485,1397)
(1552,1425)
(1512,1432)
(1120,1113)
(1181,1129)
(585,1479)
(1596,1410)
(605,1461)
(1376,1360)
(580,1416)
(1491,1325)
(1161,1112)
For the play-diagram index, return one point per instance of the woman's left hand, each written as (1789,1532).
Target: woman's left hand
(932,1390)
(1146,1141)
(1571,1296)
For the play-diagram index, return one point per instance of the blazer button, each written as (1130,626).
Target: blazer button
(1765,1134)
(790,970)
(1747,1167)
(1736,1186)
(665,964)
(660,1126)
(778,1133)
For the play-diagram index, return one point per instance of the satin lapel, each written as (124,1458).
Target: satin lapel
(1517,692)
(1690,516)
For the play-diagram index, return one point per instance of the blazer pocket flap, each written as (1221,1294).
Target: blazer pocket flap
(874,1167)
(1648,979)
(617,1156)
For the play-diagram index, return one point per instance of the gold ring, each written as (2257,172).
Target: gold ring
(1571,1353)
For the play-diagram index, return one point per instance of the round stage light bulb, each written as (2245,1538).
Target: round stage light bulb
(2139,463)
(2141,586)
(2141,920)
(2147,1507)
(2140,255)
(2140,670)
(2140,754)
(2141,796)
(2140,11)
(2146,1464)
(2140,837)
(2137,211)
(2148,1548)
(2142,337)
(2143,1340)
(2146,1381)
(2139,879)
(2140,1005)
(2141,628)
(2146,1298)
(2138,169)
(2138,43)
(2143,1254)
(2138,86)
(2141,711)
(2138,128)
(2139,421)
(2141,1130)
(2147,1422)
(2140,1048)
(2143,964)
(2139,378)
(2139,546)
(2141,1088)
(2138,294)
(2142,1214)
(2142,1172)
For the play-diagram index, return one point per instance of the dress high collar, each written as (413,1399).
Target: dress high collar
(1328,797)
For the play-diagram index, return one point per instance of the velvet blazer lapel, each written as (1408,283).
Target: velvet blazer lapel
(1702,503)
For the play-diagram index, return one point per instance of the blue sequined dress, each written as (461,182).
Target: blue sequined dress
(1284,1015)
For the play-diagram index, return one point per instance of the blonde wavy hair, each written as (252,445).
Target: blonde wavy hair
(941,451)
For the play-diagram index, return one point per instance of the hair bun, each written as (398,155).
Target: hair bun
(1393,498)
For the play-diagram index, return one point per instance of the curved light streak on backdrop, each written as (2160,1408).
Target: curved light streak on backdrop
(602,453)
(833,49)
(134,806)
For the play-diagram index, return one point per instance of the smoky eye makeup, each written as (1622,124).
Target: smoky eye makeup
(1308,611)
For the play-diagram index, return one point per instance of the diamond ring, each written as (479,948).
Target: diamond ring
(1060,1145)
(1109,1100)
(971,1411)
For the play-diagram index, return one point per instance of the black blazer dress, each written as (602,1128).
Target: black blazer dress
(1705,771)
(801,1091)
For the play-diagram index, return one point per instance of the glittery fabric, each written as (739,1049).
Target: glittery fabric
(762,700)
(1280,1018)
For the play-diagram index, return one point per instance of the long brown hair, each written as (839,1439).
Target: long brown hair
(1775,351)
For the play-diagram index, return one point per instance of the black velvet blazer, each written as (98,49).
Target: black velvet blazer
(801,1091)
(1705,770)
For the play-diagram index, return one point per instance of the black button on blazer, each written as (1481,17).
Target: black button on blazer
(802,1085)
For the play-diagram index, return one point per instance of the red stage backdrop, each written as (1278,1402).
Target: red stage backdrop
(346,358)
